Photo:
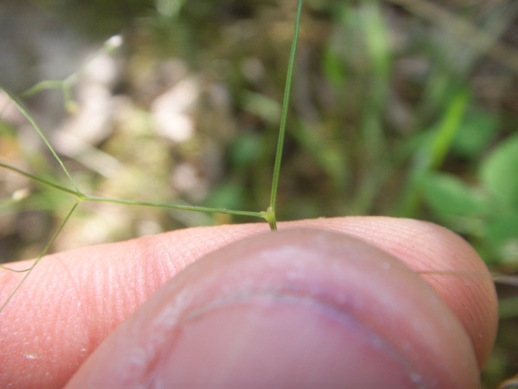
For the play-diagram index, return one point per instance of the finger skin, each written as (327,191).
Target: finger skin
(207,316)
(73,300)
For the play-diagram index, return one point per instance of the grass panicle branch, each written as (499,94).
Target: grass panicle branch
(65,86)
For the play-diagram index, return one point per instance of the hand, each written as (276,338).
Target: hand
(320,303)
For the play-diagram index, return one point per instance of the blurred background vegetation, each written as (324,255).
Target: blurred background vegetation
(399,107)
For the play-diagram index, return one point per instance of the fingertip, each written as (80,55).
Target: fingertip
(218,296)
(74,299)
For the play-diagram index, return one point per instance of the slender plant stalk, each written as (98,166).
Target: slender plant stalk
(66,85)
(174,206)
(41,180)
(269,215)
(84,197)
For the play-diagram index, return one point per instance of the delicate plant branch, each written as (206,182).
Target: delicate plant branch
(66,85)
(43,181)
(26,114)
(84,197)
(174,206)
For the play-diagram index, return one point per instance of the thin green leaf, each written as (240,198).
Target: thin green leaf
(499,173)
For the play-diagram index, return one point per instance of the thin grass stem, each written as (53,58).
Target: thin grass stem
(174,206)
(284,116)
(42,180)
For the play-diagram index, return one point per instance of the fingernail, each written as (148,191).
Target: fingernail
(260,341)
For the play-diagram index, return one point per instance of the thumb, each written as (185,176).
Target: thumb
(295,308)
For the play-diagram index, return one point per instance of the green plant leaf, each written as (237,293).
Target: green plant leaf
(502,229)
(501,236)
(499,173)
(448,195)
(475,133)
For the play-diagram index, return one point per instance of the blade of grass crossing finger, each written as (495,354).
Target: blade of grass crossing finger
(40,256)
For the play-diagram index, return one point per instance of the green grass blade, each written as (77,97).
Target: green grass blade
(270,214)
(448,128)
(434,153)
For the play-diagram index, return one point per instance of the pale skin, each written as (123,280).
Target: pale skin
(327,302)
